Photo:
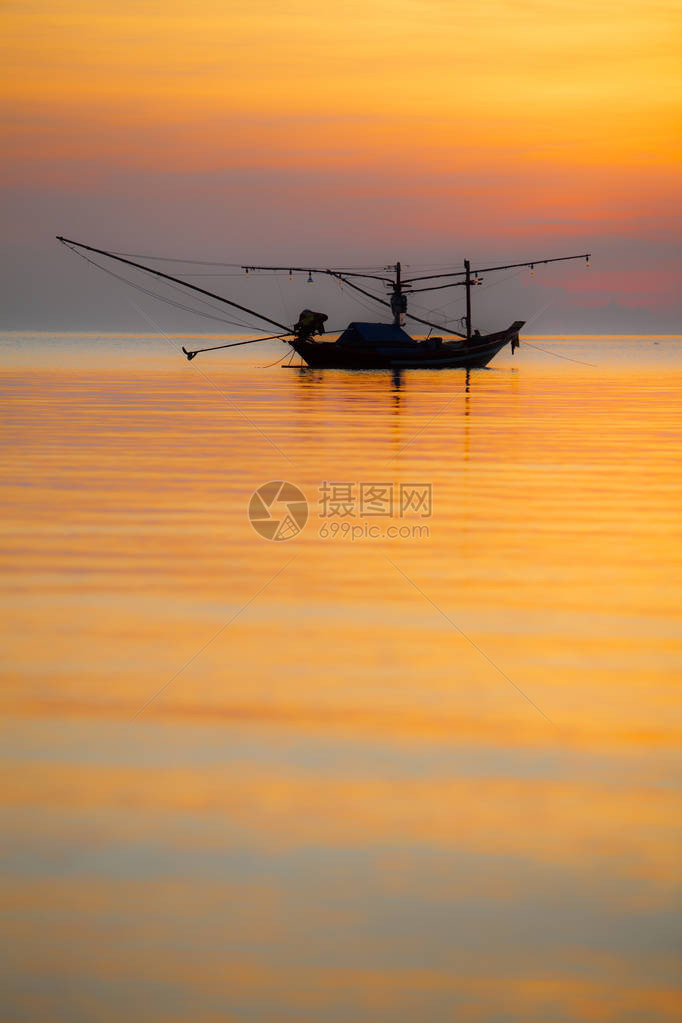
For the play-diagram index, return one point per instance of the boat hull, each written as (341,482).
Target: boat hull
(472,353)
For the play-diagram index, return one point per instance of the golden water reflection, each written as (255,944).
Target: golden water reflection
(424,777)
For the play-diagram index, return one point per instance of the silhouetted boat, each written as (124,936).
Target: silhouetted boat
(386,346)
(365,345)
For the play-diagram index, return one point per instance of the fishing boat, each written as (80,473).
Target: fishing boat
(365,345)
(387,346)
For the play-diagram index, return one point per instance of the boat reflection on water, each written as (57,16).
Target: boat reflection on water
(397,382)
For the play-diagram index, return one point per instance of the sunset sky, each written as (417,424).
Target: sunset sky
(346,132)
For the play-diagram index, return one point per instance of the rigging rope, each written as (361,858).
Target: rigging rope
(153,294)
(218,262)
(290,354)
(164,298)
(557,356)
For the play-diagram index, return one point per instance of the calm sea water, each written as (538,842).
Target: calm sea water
(417,762)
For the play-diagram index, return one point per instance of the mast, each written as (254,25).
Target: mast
(398,298)
(398,294)
(467,269)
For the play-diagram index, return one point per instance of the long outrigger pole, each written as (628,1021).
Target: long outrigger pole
(507,266)
(399,285)
(234,344)
(176,280)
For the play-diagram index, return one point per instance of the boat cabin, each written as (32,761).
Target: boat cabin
(360,335)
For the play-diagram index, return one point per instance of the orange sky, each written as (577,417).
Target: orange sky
(501,125)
